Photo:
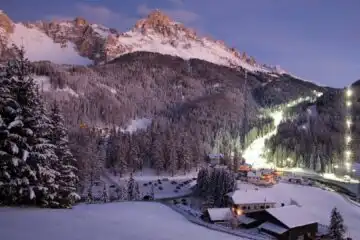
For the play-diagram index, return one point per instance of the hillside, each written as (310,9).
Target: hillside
(186,92)
(314,134)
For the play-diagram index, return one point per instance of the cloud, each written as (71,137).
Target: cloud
(181,15)
(100,15)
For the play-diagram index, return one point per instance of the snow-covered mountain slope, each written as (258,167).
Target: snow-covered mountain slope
(79,42)
(40,46)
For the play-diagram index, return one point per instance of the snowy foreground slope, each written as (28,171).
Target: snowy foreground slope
(113,221)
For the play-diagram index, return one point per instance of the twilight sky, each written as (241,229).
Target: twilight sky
(316,40)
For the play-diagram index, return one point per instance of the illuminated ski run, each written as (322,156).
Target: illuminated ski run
(254,154)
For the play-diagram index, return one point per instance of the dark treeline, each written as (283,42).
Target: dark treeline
(213,184)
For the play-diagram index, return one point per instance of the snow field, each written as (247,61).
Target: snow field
(164,186)
(39,47)
(317,202)
(113,221)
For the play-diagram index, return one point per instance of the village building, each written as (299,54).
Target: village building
(216,215)
(258,177)
(243,202)
(286,223)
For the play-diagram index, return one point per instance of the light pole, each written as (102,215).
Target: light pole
(348,123)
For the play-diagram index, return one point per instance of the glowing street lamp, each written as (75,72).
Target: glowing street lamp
(348,123)
(349,92)
(347,154)
(348,103)
(348,139)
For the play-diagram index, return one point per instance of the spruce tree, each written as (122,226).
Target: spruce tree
(28,177)
(131,188)
(67,179)
(14,171)
(337,228)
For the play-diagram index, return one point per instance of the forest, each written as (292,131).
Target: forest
(313,134)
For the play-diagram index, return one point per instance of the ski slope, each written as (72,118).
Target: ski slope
(254,153)
(113,221)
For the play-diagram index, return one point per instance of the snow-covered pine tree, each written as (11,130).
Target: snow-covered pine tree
(131,188)
(157,155)
(337,229)
(12,147)
(67,179)
(137,192)
(202,183)
(30,173)
(134,153)
(105,194)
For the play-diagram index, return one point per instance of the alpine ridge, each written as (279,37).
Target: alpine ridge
(79,42)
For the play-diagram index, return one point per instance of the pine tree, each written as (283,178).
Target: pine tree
(337,228)
(12,147)
(131,188)
(105,194)
(67,179)
(135,154)
(27,152)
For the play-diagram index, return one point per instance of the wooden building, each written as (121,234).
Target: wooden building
(250,201)
(286,223)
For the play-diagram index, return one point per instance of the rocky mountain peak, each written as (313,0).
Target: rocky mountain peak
(154,20)
(80,21)
(5,23)
(162,24)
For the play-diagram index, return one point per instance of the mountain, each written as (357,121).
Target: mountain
(80,42)
(175,96)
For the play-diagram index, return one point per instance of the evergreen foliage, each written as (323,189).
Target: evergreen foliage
(213,184)
(337,229)
(29,171)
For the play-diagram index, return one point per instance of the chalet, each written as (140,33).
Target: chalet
(215,215)
(260,178)
(286,223)
(243,202)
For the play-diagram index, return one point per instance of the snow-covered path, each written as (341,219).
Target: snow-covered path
(113,221)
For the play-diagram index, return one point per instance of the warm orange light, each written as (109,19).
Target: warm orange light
(239,212)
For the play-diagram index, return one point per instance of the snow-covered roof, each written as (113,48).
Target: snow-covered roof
(272,228)
(292,216)
(250,196)
(246,220)
(219,214)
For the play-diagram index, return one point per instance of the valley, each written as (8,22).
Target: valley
(158,132)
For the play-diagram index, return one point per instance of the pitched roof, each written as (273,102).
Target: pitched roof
(245,220)
(250,196)
(219,214)
(292,216)
(272,228)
